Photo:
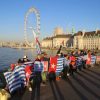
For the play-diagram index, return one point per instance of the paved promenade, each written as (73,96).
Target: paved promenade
(84,85)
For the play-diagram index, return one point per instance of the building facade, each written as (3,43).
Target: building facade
(80,40)
(47,42)
(87,40)
(64,39)
(58,38)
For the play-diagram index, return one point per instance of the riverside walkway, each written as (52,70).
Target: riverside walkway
(84,85)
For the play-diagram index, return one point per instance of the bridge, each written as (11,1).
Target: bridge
(84,85)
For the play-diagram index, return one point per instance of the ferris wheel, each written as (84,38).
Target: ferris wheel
(34,29)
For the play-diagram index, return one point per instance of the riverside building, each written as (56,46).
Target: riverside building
(58,38)
(80,40)
(87,40)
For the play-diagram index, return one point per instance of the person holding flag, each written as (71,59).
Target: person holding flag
(73,67)
(45,62)
(88,61)
(60,63)
(36,77)
(66,66)
(52,68)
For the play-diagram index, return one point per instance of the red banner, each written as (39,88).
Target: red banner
(53,64)
(45,66)
(28,71)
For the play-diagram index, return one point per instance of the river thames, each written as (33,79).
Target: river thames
(10,55)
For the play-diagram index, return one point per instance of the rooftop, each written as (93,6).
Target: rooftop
(63,36)
(80,33)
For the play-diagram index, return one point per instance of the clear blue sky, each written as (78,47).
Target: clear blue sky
(82,14)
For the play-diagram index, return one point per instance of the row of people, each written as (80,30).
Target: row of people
(60,65)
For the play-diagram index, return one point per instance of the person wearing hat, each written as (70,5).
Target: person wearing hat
(25,59)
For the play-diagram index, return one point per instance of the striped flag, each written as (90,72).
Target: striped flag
(15,79)
(37,43)
(13,82)
(38,66)
(45,65)
(79,61)
(60,63)
(93,59)
(38,46)
(21,71)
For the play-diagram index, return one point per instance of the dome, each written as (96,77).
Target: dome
(58,31)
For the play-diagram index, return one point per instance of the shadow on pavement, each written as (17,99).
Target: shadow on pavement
(56,91)
(79,93)
(88,79)
(93,72)
(91,75)
(35,95)
(87,88)
(52,87)
(18,95)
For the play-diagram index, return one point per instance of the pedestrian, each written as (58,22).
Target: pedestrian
(45,59)
(36,77)
(88,61)
(59,68)
(73,67)
(25,59)
(66,66)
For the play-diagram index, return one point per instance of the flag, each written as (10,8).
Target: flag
(79,61)
(28,71)
(53,64)
(38,66)
(88,60)
(13,82)
(38,48)
(93,59)
(21,71)
(15,79)
(60,63)
(73,62)
(37,43)
(45,65)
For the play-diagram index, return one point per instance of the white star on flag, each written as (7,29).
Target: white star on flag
(53,65)
(27,74)
(45,66)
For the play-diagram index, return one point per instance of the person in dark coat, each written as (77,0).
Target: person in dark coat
(37,79)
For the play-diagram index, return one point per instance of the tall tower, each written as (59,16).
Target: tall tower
(73,31)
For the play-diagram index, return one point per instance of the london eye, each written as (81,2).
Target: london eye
(29,26)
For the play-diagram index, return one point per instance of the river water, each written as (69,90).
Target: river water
(10,55)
